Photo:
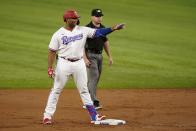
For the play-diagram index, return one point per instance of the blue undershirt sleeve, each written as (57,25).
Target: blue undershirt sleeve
(102,32)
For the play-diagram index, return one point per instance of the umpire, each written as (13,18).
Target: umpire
(93,55)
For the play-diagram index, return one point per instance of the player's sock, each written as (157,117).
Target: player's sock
(92,112)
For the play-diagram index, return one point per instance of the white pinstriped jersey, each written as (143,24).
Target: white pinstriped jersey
(70,44)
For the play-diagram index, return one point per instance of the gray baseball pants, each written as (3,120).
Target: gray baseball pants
(94,73)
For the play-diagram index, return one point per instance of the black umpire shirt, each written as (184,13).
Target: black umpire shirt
(95,45)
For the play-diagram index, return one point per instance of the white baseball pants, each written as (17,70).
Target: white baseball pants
(63,70)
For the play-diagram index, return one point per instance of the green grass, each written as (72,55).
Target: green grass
(156,50)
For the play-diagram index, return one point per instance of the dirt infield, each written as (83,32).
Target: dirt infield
(143,109)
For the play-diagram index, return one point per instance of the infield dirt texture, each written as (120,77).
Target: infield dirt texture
(143,110)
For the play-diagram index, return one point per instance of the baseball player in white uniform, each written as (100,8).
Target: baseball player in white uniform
(68,42)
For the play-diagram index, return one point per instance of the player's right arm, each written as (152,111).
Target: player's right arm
(53,47)
(51,59)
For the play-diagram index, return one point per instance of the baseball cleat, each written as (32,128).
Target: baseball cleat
(47,121)
(98,118)
(96,107)
(84,107)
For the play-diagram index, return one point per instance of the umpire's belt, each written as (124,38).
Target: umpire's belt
(95,51)
(71,59)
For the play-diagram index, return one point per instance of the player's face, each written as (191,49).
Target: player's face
(96,19)
(71,22)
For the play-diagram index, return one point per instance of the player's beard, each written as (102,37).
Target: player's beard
(71,23)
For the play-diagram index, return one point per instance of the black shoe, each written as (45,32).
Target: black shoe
(97,105)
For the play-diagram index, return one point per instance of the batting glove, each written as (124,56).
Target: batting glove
(50,72)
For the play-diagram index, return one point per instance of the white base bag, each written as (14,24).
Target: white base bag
(110,122)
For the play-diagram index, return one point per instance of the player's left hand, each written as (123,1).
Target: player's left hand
(118,26)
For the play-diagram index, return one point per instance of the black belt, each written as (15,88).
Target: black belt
(70,59)
(95,51)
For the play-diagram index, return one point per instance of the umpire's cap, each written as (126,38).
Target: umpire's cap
(97,12)
(70,14)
